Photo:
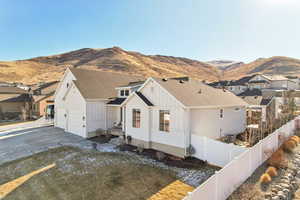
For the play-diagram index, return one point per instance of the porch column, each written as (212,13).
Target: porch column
(123,118)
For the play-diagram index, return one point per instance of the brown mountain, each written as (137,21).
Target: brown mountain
(272,65)
(49,68)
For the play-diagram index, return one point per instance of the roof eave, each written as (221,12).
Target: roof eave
(217,106)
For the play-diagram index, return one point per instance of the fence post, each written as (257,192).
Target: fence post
(260,152)
(204,148)
(250,162)
(217,185)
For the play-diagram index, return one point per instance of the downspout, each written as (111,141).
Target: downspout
(105,118)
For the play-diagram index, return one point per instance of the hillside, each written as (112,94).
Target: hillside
(118,60)
(50,68)
(272,65)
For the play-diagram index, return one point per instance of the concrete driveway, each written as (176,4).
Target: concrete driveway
(19,144)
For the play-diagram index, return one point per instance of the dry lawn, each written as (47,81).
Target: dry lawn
(79,174)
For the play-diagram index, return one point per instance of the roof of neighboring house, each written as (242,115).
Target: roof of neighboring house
(241,81)
(255,97)
(116,101)
(47,88)
(12,90)
(257,100)
(194,93)
(144,99)
(219,83)
(259,81)
(14,98)
(251,92)
(100,85)
(275,77)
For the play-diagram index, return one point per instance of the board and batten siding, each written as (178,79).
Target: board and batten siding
(141,133)
(207,122)
(70,112)
(164,101)
(96,116)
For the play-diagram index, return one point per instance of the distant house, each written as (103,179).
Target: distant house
(89,101)
(262,81)
(164,114)
(43,97)
(261,108)
(234,86)
(15,103)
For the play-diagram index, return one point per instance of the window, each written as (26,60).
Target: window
(136,118)
(122,92)
(164,120)
(126,92)
(221,113)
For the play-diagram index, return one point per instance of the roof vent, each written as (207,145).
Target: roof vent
(181,81)
(164,79)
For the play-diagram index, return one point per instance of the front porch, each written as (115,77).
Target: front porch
(116,117)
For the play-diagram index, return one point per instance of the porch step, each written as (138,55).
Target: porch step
(116,132)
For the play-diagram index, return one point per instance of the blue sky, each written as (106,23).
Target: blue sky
(199,29)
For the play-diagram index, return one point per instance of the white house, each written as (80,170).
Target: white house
(164,114)
(234,86)
(87,101)
(262,81)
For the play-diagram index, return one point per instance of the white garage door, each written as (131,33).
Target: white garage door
(75,123)
(60,118)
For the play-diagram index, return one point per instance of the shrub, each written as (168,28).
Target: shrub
(288,146)
(277,159)
(265,178)
(294,141)
(296,138)
(272,171)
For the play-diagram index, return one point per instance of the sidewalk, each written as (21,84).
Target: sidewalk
(42,122)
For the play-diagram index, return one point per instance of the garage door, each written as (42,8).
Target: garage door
(60,118)
(75,123)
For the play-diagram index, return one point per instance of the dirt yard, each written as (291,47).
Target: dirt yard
(73,174)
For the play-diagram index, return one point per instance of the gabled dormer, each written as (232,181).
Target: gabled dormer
(126,90)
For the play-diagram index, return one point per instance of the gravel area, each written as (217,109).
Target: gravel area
(282,187)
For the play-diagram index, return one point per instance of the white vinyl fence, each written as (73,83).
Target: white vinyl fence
(215,152)
(229,178)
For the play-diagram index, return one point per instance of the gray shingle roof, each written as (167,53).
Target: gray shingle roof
(194,93)
(100,85)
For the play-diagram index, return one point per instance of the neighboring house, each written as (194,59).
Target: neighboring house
(15,103)
(89,101)
(262,81)
(43,97)
(164,114)
(261,108)
(234,86)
